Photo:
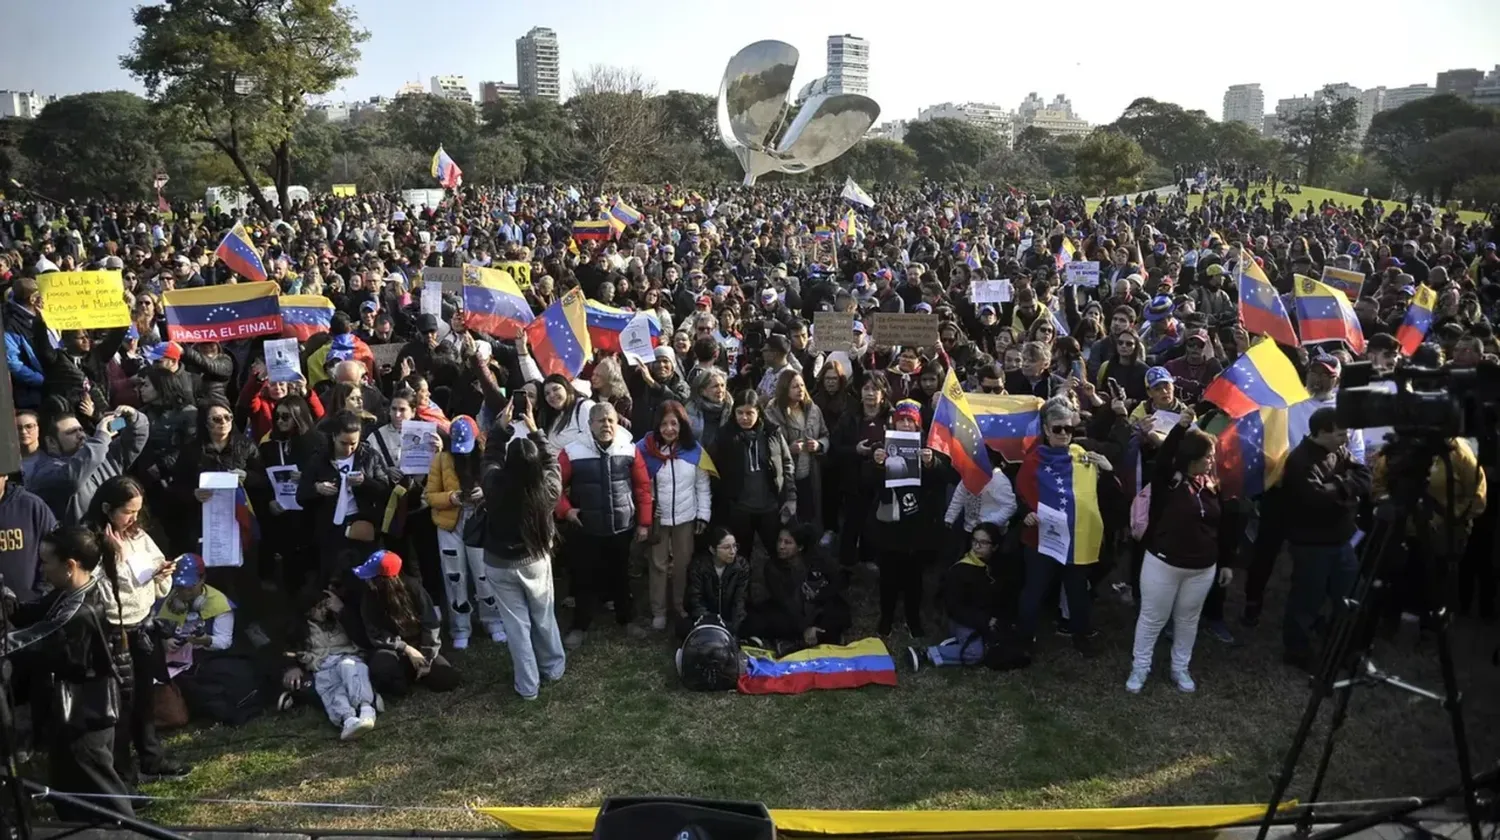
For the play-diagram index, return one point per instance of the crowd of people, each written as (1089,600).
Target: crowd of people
(737,476)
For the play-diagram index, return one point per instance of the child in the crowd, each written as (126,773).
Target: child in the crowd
(339,676)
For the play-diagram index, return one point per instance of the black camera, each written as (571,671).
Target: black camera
(1447,401)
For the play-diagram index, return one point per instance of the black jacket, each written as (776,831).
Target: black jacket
(64,643)
(712,593)
(1322,489)
(212,373)
(69,376)
(370,496)
(968,594)
(765,443)
(802,593)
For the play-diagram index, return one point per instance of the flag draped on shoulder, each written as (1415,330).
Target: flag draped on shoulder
(238,252)
(1324,314)
(956,433)
(493,303)
(1067,487)
(223,313)
(855,195)
(559,339)
(446,171)
(1261,309)
(1418,320)
(1262,378)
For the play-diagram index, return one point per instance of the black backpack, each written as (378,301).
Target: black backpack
(710,657)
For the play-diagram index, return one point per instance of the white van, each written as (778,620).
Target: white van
(236,199)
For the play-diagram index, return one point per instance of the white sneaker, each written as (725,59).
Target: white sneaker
(1137,680)
(379,704)
(1184,681)
(460,642)
(367,712)
(497,635)
(355,727)
(914,657)
(659,623)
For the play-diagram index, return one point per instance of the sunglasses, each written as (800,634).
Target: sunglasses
(1060,430)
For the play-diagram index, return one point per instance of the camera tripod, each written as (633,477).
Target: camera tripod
(1347,660)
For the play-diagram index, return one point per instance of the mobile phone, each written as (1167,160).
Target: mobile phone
(117,424)
(1078,369)
(519,403)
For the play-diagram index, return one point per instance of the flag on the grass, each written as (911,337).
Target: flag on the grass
(1261,310)
(560,338)
(304,316)
(1262,378)
(446,171)
(1418,320)
(865,662)
(588,229)
(955,432)
(1324,314)
(853,194)
(1066,482)
(223,313)
(238,252)
(493,303)
(1251,451)
(622,216)
(606,323)
(1008,423)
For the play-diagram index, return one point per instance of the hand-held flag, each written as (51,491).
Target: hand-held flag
(446,171)
(238,252)
(1418,320)
(1263,377)
(559,340)
(493,303)
(955,433)
(1261,309)
(1324,314)
(223,313)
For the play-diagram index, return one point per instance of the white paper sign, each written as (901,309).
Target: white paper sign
(1163,421)
(221,531)
(1052,537)
(346,505)
(284,485)
(903,458)
(1083,273)
(990,291)
(416,447)
(635,340)
(1023,247)
(283,360)
(432,299)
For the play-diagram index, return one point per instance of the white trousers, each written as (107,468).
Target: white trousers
(343,684)
(463,567)
(1170,592)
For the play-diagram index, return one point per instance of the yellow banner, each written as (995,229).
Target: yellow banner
(345,190)
(83,300)
(518,271)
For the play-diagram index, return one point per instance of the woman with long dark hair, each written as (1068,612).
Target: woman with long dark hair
(860,431)
(404,628)
(285,538)
(117,513)
(683,503)
(454,493)
(801,423)
(519,540)
(755,475)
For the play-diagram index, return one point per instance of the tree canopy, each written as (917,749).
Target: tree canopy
(94,144)
(1109,163)
(1318,137)
(949,149)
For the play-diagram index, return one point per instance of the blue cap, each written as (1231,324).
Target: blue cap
(463,434)
(380,564)
(1157,375)
(924,306)
(189,571)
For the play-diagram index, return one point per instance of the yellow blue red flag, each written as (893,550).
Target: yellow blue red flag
(223,313)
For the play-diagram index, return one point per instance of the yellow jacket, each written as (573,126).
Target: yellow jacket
(1469,485)
(442,482)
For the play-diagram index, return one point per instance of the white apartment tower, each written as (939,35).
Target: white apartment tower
(848,64)
(1245,104)
(452,87)
(538,66)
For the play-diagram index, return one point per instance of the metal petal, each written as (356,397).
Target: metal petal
(753,95)
(826,127)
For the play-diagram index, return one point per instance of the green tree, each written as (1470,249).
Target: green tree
(540,129)
(237,73)
(875,161)
(690,116)
(1166,131)
(1235,141)
(1109,163)
(949,149)
(13,163)
(1319,138)
(422,122)
(315,141)
(494,160)
(616,121)
(1444,163)
(1055,154)
(94,144)
(1015,168)
(1396,137)
(390,168)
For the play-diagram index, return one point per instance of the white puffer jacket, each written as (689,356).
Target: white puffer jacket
(682,493)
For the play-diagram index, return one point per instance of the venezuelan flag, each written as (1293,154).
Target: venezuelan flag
(850,224)
(1348,282)
(1009,424)
(606,323)
(244,515)
(493,303)
(1251,451)
(622,216)
(303,316)
(1067,482)
(955,433)
(1418,320)
(822,232)
(1324,314)
(696,456)
(560,338)
(865,662)
(1261,310)
(446,171)
(238,252)
(1262,378)
(597,231)
(223,313)
(1065,253)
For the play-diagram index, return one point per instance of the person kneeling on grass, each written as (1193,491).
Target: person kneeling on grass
(339,676)
(968,595)
(404,629)
(798,597)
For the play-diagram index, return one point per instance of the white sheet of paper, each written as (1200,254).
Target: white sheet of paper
(1163,421)
(221,532)
(990,291)
(432,298)
(635,340)
(416,447)
(346,505)
(283,360)
(1052,537)
(1082,273)
(284,486)
(142,571)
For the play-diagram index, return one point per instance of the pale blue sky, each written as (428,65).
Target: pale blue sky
(1102,55)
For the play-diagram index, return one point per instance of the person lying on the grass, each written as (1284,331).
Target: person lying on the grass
(197,622)
(718,584)
(404,629)
(967,593)
(341,678)
(798,597)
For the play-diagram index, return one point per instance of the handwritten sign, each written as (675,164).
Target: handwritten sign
(448,278)
(990,291)
(906,329)
(1081,273)
(1348,282)
(84,300)
(832,330)
(518,271)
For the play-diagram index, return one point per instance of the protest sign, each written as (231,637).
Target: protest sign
(990,291)
(447,278)
(903,459)
(345,190)
(283,360)
(1348,282)
(518,271)
(635,340)
(84,300)
(221,528)
(284,485)
(416,446)
(1081,273)
(832,330)
(907,329)
(385,354)
(431,300)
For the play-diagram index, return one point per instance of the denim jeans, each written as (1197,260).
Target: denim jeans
(1319,572)
(1041,571)
(526,604)
(966,647)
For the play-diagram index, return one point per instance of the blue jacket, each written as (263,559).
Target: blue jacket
(25,367)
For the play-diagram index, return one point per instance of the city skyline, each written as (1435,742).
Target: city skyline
(685,46)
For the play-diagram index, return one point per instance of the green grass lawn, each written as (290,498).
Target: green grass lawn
(1061,734)
(1317,197)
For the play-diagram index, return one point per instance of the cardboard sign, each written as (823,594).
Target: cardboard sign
(906,329)
(385,355)
(345,190)
(1081,273)
(449,278)
(1348,282)
(84,300)
(832,330)
(518,271)
(990,291)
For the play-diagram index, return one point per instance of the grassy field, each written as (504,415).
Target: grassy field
(1060,734)
(1317,197)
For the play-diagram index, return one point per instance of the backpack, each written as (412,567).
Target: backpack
(1140,514)
(710,658)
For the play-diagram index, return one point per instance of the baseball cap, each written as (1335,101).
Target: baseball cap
(924,306)
(1214,270)
(463,434)
(705,302)
(861,280)
(859,327)
(164,350)
(768,295)
(189,571)
(1157,375)
(380,564)
(369,306)
(1196,335)
(1328,363)
(986,309)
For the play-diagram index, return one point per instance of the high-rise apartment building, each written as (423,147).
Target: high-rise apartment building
(538,66)
(991,117)
(1460,83)
(452,87)
(848,64)
(1396,97)
(25,104)
(1487,92)
(1055,117)
(498,92)
(1245,104)
(1371,102)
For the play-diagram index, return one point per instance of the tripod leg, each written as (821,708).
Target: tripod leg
(1340,714)
(1453,704)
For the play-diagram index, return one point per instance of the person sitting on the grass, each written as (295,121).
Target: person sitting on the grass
(197,622)
(404,629)
(798,597)
(718,584)
(968,596)
(339,676)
